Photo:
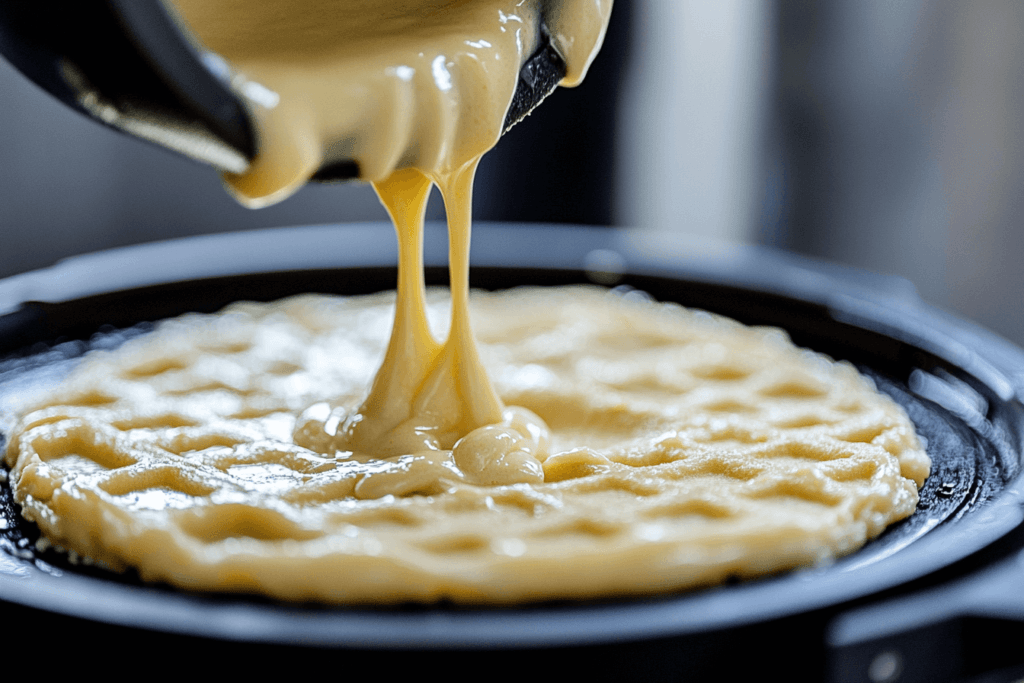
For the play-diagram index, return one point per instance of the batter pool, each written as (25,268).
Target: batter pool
(652,449)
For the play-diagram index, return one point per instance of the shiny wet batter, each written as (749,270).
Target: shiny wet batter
(653,449)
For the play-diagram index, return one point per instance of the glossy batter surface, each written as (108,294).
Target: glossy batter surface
(387,84)
(683,449)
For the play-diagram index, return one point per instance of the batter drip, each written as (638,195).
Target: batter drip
(413,91)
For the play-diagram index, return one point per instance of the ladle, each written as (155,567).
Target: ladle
(129,65)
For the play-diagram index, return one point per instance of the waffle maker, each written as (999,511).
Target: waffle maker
(935,598)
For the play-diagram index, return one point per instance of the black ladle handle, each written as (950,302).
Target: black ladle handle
(127,64)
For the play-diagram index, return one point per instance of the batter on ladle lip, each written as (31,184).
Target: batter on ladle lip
(387,84)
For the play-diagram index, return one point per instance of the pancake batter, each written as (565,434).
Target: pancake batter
(688,450)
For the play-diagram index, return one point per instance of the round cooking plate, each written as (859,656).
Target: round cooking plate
(960,384)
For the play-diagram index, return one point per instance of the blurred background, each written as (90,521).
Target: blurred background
(883,135)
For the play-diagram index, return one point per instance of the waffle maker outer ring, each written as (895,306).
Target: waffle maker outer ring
(871,320)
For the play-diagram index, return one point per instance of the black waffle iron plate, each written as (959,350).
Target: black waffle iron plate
(935,598)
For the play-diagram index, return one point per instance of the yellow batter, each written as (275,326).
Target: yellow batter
(389,84)
(682,449)
(413,91)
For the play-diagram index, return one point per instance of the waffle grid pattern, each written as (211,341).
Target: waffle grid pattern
(684,449)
